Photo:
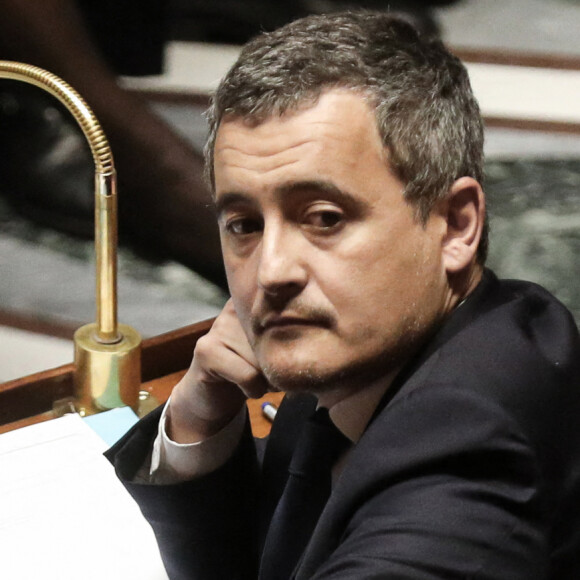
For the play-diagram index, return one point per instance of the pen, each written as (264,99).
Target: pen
(269,410)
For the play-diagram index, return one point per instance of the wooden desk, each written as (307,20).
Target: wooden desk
(164,360)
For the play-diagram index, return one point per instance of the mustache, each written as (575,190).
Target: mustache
(302,314)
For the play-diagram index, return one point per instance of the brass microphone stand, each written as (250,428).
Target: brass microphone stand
(107,354)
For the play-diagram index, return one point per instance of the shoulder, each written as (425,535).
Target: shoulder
(521,349)
(501,376)
(508,340)
(505,380)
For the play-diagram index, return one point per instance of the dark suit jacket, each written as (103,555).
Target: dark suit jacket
(470,467)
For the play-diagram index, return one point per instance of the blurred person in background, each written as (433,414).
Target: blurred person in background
(46,169)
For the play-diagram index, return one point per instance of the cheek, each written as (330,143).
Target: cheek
(240,272)
(379,286)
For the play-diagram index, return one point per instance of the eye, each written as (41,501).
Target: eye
(324,218)
(243,226)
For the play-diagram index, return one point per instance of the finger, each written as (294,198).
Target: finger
(224,364)
(229,330)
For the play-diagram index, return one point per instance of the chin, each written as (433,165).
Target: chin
(307,374)
(296,380)
(292,367)
(304,370)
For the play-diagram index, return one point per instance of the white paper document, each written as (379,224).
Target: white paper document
(63,513)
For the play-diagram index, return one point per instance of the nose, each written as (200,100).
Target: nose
(282,272)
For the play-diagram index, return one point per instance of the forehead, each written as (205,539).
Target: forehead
(329,101)
(335,137)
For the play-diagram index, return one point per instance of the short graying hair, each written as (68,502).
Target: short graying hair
(426,113)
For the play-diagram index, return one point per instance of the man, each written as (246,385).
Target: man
(345,155)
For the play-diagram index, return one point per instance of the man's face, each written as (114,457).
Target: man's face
(333,278)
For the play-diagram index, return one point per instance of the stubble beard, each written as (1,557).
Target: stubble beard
(353,376)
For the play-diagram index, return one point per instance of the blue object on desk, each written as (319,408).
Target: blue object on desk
(112,425)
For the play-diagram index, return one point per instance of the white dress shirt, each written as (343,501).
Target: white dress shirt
(173,462)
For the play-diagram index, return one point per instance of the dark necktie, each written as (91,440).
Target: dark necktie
(306,492)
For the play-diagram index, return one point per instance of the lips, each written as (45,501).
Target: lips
(273,321)
(281,321)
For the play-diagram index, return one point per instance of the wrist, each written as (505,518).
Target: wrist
(188,420)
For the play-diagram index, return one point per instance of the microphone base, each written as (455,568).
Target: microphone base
(106,375)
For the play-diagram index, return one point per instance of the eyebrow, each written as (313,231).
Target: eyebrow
(226,200)
(293,189)
(327,188)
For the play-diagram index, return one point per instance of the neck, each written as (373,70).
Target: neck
(462,284)
(351,409)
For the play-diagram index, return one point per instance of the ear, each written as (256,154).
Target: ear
(465,215)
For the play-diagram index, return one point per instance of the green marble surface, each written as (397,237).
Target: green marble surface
(534,208)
